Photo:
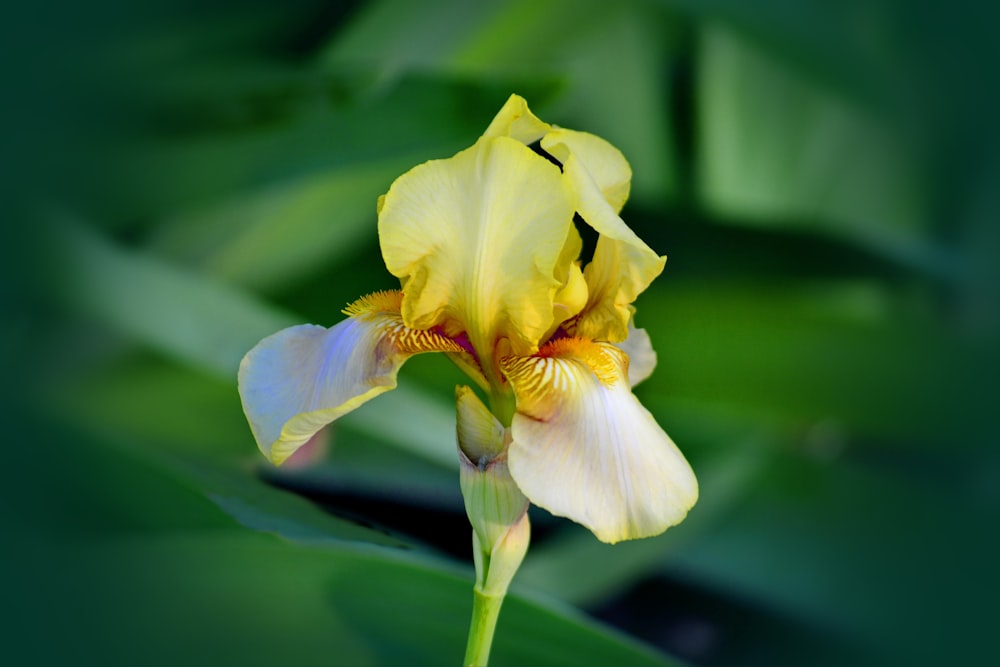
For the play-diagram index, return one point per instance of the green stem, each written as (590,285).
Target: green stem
(485,610)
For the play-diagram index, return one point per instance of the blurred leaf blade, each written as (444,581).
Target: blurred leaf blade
(210,326)
(266,239)
(124,406)
(847,46)
(196,320)
(325,123)
(780,150)
(276,603)
(875,371)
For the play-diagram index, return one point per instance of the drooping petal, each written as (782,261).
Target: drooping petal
(516,121)
(623,265)
(585,448)
(300,379)
(477,241)
(640,352)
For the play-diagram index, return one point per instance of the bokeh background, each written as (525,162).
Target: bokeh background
(184,178)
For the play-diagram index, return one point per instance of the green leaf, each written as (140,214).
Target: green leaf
(331,124)
(245,599)
(259,506)
(189,317)
(267,238)
(861,550)
(778,149)
(822,352)
(845,45)
(210,326)
(140,416)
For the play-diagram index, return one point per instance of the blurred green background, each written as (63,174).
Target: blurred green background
(184,178)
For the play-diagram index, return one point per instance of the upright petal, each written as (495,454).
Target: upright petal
(571,297)
(623,265)
(584,447)
(300,379)
(516,121)
(604,163)
(477,241)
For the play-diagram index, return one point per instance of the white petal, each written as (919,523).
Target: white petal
(300,379)
(583,446)
(641,355)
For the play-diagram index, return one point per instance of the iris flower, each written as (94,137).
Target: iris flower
(486,249)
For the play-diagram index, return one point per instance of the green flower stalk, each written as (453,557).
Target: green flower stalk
(498,512)
(486,249)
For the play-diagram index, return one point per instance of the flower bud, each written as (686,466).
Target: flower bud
(496,507)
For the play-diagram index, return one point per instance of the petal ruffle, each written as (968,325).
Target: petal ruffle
(584,447)
(300,379)
(478,242)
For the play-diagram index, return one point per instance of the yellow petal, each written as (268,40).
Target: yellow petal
(622,267)
(571,297)
(516,121)
(583,446)
(300,379)
(604,163)
(477,242)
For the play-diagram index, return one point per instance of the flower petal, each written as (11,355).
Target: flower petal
(641,355)
(477,241)
(606,165)
(300,379)
(571,296)
(623,265)
(584,447)
(516,121)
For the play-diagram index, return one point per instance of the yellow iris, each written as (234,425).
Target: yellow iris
(486,249)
